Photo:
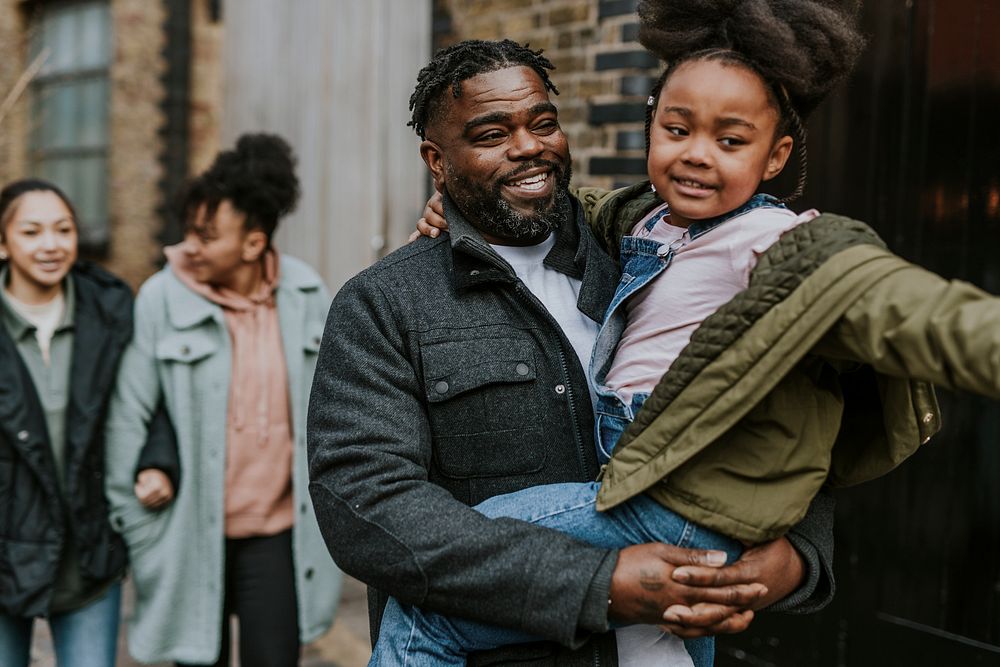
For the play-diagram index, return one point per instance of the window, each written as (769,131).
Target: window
(69,120)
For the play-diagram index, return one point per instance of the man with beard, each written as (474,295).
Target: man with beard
(452,371)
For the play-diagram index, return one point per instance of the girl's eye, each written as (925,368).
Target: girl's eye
(677,130)
(731,142)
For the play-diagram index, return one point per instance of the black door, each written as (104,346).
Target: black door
(912,146)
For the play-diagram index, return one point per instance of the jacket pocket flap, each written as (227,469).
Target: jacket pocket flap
(314,336)
(187,347)
(452,368)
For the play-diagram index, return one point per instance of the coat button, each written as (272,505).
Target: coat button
(303,508)
(441,387)
(119,522)
(929,417)
(521,369)
(560,389)
(309,573)
(185,350)
(317,340)
(22,435)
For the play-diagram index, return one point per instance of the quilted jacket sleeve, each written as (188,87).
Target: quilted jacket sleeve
(915,324)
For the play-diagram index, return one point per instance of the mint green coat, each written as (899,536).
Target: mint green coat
(181,351)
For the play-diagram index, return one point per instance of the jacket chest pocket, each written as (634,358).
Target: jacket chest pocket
(483,405)
(186,347)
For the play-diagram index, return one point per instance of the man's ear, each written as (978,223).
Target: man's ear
(780,152)
(430,152)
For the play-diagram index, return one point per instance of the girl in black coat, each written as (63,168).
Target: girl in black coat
(63,327)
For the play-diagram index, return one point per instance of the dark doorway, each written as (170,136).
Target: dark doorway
(912,146)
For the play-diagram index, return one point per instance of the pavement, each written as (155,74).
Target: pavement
(345,645)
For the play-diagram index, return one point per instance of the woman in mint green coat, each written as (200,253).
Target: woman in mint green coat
(227,335)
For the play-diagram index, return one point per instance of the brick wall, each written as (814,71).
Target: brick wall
(602,73)
(13,134)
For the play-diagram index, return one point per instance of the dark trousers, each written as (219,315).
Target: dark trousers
(260,591)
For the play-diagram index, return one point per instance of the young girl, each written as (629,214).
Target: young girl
(799,349)
(226,335)
(63,327)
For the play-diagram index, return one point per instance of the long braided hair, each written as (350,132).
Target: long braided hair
(801,49)
(459,62)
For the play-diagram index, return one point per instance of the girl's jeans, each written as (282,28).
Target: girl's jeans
(85,637)
(413,637)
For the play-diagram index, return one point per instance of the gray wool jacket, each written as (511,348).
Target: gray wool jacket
(420,408)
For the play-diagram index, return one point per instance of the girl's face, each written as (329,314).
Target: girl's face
(220,246)
(40,241)
(712,140)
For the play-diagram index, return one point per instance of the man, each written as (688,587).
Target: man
(453,371)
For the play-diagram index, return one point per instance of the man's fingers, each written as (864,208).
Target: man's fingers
(739,572)
(699,623)
(740,595)
(691,557)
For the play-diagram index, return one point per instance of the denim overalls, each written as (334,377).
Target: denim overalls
(642,260)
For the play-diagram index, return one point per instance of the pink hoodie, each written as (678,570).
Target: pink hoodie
(258,493)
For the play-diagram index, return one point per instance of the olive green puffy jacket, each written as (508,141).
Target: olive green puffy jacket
(819,372)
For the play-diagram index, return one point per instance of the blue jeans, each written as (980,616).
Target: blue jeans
(85,637)
(413,637)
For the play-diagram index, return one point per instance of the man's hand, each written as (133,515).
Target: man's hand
(776,565)
(643,588)
(153,488)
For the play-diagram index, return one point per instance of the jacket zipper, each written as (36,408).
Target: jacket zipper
(526,294)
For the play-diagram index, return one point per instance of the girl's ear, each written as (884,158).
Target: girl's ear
(780,152)
(254,245)
(430,152)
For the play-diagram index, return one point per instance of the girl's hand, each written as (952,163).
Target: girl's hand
(153,488)
(433,222)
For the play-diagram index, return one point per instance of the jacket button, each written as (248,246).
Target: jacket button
(22,435)
(303,508)
(119,522)
(521,369)
(441,387)
(929,417)
(560,389)
(309,573)
(317,340)
(185,350)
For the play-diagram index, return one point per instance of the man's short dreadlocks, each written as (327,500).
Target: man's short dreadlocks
(459,62)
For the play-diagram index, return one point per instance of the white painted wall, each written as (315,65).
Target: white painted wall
(334,78)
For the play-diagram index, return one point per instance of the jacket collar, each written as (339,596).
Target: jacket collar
(186,308)
(17,326)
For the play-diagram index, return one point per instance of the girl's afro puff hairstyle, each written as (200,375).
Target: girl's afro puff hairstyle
(801,47)
(257,177)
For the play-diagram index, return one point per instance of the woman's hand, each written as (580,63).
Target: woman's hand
(433,222)
(153,489)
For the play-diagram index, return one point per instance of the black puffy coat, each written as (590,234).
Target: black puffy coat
(34,518)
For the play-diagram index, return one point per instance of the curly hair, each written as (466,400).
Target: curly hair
(459,62)
(801,49)
(257,177)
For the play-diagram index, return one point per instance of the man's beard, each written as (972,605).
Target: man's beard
(489,212)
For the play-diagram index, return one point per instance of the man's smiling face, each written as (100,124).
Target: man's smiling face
(501,156)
